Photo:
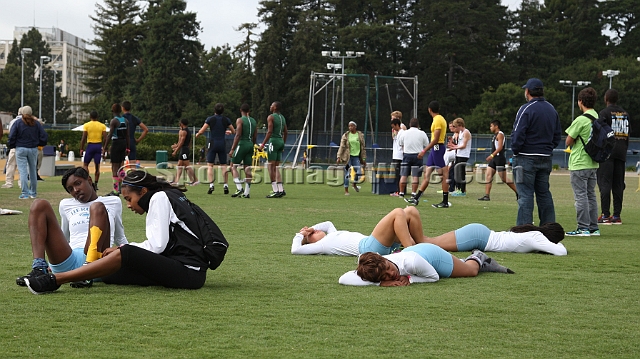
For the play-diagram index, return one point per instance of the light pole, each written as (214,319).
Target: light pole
(610,74)
(336,55)
(55,71)
(25,50)
(569,83)
(46,59)
(333,67)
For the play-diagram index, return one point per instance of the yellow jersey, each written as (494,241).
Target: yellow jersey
(439,123)
(94,131)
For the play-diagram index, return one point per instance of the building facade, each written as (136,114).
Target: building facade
(68,52)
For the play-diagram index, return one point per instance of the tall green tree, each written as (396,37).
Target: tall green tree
(622,17)
(110,68)
(170,65)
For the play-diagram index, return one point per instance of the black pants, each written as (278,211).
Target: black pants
(396,165)
(457,175)
(611,181)
(142,267)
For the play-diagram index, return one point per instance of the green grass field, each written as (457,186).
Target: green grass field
(264,302)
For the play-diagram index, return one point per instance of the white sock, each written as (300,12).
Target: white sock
(238,183)
(279,187)
(274,187)
(247,188)
(211,185)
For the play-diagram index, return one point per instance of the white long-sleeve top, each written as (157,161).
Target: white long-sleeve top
(409,263)
(523,243)
(74,220)
(159,218)
(342,243)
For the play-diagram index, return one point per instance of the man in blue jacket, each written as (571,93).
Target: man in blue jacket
(536,132)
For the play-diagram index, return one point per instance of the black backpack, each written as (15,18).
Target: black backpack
(602,140)
(211,240)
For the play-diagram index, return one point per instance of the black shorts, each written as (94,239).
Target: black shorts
(498,163)
(118,151)
(220,152)
(184,154)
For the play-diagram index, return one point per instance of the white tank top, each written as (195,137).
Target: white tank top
(464,152)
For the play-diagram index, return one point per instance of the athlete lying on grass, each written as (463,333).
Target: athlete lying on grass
(399,227)
(421,263)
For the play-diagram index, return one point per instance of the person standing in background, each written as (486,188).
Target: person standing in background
(10,165)
(133,122)
(536,132)
(120,142)
(352,152)
(497,161)
(398,151)
(218,126)
(183,150)
(94,135)
(276,137)
(611,172)
(25,136)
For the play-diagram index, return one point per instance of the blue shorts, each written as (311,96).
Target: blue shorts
(75,260)
(441,260)
(472,236)
(436,156)
(93,152)
(371,244)
(220,151)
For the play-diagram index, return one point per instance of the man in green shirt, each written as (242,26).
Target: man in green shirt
(274,139)
(242,150)
(583,168)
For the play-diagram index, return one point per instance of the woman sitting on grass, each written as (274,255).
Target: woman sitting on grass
(399,227)
(524,238)
(173,254)
(421,263)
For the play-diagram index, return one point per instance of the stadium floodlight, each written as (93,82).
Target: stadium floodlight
(55,71)
(569,83)
(335,53)
(326,53)
(350,53)
(610,74)
(359,53)
(44,59)
(23,51)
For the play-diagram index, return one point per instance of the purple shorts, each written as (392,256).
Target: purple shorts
(93,152)
(436,156)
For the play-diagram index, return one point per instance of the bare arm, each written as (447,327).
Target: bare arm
(181,138)
(237,138)
(269,131)
(434,141)
(204,128)
(145,130)
(570,141)
(83,141)
(500,139)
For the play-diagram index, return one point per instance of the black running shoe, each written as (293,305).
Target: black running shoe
(441,205)
(246,196)
(273,195)
(34,273)
(82,284)
(412,201)
(210,191)
(283,193)
(42,284)
(238,193)
(484,198)
(226,190)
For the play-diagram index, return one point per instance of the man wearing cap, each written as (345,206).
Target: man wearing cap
(536,132)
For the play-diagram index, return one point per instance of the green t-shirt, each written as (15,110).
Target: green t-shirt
(354,144)
(278,125)
(579,158)
(248,128)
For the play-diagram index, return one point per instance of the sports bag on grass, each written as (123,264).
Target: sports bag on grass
(602,140)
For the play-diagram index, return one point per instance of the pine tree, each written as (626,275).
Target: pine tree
(170,66)
(110,67)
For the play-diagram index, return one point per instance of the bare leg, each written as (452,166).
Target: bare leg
(445,176)
(414,222)
(393,228)
(98,217)
(427,176)
(403,183)
(96,175)
(46,235)
(179,169)
(503,177)
(468,268)
(190,171)
(102,268)
(247,174)
(210,172)
(445,241)
(489,178)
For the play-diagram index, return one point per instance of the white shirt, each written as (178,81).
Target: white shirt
(409,264)
(464,138)
(398,151)
(159,218)
(413,140)
(74,217)
(523,243)
(342,243)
